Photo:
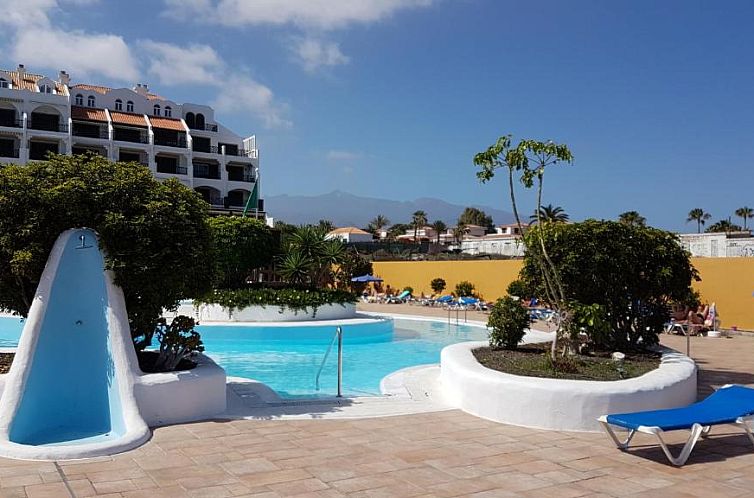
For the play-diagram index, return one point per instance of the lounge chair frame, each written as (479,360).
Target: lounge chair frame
(696,431)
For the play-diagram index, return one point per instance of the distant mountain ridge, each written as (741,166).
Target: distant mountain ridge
(345,209)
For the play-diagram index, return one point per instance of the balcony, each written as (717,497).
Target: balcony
(12,123)
(238,176)
(13,153)
(212,149)
(206,171)
(48,126)
(172,169)
(206,127)
(232,151)
(179,142)
(130,135)
(90,132)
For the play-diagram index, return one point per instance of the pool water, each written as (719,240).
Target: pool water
(287,358)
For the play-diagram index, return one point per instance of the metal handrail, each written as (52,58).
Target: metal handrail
(339,336)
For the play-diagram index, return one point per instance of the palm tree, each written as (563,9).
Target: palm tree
(723,226)
(459,231)
(439,227)
(418,219)
(550,213)
(379,222)
(632,218)
(745,213)
(700,216)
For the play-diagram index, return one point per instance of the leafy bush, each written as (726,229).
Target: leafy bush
(518,288)
(178,341)
(154,234)
(352,265)
(633,272)
(592,320)
(438,285)
(508,321)
(464,288)
(239,246)
(309,258)
(295,299)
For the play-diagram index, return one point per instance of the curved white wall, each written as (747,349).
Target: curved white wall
(569,405)
(217,313)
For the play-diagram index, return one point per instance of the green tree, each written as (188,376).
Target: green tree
(507,322)
(651,266)
(530,159)
(295,268)
(464,289)
(474,216)
(308,251)
(439,227)
(438,285)
(240,245)
(325,226)
(745,213)
(155,234)
(700,216)
(353,264)
(723,226)
(549,214)
(397,230)
(418,220)
(378,223)
(632,218)
(459,231)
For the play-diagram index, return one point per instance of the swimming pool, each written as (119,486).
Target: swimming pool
(287,358)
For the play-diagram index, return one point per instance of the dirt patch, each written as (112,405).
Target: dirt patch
(5,362)
(147,359)
(533,360)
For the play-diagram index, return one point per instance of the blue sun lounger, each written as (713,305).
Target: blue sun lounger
(730,404)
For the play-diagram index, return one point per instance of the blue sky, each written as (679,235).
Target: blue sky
(392,98)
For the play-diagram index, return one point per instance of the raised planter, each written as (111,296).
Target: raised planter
(568,405)
(217,313)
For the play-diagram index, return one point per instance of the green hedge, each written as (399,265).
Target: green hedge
(294,299)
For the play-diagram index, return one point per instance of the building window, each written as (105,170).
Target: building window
(190,120)
(4,83)
(45,89)
(79,99)
(129,106)
(168,111)
(200,121)
(118,105)
(156,110)
(90,101)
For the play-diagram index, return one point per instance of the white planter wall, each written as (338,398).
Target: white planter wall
(568,405)
(217,313)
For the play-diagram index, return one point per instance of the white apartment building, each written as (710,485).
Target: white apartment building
(506,241)
(182,141)
(718,245)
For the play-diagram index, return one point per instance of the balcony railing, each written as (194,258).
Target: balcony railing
(88,133)
(203,172)
(179,142)
(127,136)
(9,153)
(40,155)
(173,170)
(237,152)
(212,149)
(241,177)
(44,126)
(207,127)
(12,123)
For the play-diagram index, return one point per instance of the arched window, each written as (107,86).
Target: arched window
(118,105)
(79,99)
(90,101)
(168,111)
(45,89)
(129,106)
(4,83)
(156,110)
(200,121)
(190,120)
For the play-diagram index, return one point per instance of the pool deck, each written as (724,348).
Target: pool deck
(443,453)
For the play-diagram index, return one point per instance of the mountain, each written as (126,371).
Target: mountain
(345,209)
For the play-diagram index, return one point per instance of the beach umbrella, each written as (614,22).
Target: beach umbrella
(366,278)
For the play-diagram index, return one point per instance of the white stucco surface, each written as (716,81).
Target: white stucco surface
(569,405)
(217,313)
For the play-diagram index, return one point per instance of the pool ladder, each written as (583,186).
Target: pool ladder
(339,337)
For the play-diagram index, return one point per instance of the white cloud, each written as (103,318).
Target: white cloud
(174,65)
(242,94)
(79,53)
(313,54)
(343,156)
(318,14)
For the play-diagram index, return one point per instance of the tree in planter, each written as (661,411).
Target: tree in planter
(239,246)
(178,341)
(633,272)
(464,289)
(507,322)
(154,234)
(309,258)
(530,158)
(438,285)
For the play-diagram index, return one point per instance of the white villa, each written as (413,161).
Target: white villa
(183,141)
(506,241)
(349,235)
(719,245)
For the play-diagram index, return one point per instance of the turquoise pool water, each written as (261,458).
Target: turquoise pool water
(287,358)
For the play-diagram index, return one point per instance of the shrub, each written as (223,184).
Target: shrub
(633,272)
(590,319)
(438,285)
(464,288)
(295,299)
(178,341)
(518,288)
(508,322)
(409,289)
(352,265)
(154,234)
(239,246)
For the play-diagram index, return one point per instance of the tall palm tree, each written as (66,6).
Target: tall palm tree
(550,213)
(418,219)
(379,222)
(459,231)
(723,226)
(439,227)
(700,216)
(745,213)
(632,218)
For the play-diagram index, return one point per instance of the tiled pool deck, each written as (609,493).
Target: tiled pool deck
(445,453)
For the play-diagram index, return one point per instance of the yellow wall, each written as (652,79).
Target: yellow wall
(729,282)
